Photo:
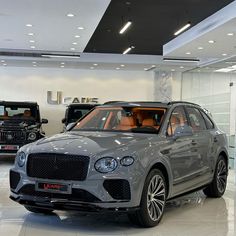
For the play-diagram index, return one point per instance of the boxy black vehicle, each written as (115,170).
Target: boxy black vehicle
(20,124)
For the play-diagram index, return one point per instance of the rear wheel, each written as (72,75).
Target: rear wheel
(38,210)
(217,187)
(152,202)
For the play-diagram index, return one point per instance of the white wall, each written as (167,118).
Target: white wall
(32,84)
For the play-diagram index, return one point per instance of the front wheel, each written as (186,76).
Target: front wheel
(152,202)
(217,187)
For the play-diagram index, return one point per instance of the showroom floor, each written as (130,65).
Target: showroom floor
(186,216)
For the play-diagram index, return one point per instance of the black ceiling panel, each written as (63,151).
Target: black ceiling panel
(153,23)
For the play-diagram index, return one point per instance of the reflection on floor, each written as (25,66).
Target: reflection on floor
(186,216)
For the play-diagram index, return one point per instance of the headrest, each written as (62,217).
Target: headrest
(148,122)
(127,121)
(27,113)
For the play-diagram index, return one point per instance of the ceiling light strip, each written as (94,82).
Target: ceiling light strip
(182,29)
(128,50)
(125,27)
(181,59)
(60,56)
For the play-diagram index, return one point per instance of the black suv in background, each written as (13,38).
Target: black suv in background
(75,111)
(20,124)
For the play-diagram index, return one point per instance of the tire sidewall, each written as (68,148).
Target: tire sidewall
(148,222)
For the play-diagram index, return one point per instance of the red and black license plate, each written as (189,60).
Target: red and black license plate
(9,147)
(53,187)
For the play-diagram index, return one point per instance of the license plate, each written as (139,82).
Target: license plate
(9,147)
(53,187)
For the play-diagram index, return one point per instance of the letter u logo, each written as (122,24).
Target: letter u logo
(58,98)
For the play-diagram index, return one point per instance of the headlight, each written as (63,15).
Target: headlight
(32,136)
(127,161)
(21,158)
(105,164)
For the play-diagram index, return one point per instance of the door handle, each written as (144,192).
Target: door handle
(194,142)
(215,140)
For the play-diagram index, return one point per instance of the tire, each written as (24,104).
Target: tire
(218,185)
(39,210)
(153,201)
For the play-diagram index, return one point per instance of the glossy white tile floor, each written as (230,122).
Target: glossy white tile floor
(186,216)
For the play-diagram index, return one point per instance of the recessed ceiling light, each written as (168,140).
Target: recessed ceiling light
(34,65)
(30,34)
(145,68)
(182,29)
(2,61)
(80,28)
(72,49)
(153,65)
(34,62)
(211,41)
(181,67)
(125,27)
(188,53)
(117,68)
(70,15)
(200,48)
(74,43)
(91,67)
(62,66)
(4,64)
(32,47)
(122,65)
(95,64)
(224,54)
(32,41)
(77,36)
(172,69)
(62,63)
(28,25)
(230,34)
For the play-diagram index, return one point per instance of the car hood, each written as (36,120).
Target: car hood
(90,143)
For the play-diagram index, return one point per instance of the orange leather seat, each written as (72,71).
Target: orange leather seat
(126,123)
(150,122)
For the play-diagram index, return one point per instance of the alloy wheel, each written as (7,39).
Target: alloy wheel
(221,176)
(156,197)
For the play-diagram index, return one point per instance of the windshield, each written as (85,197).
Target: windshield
(17,112)
(123,119)
(75,113)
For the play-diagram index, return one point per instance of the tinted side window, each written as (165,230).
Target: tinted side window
(208,122)
(177,119)
(196,120)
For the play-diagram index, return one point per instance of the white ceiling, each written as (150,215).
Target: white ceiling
(216,28)
(53,29)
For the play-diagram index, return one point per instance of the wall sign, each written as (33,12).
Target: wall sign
(67,100)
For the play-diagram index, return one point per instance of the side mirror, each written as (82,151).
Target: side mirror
(182,131)
(63,120)
(70,126)
(44,121)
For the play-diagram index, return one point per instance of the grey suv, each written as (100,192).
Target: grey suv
(124,157)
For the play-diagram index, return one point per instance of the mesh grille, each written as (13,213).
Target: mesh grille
(17,136)
(77,194)
(57,166)
(14,179)
(118,188)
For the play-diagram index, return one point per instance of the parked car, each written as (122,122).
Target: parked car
(124,157)
(75,111)
(20,124)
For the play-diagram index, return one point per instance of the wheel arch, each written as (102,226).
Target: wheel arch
(163,169)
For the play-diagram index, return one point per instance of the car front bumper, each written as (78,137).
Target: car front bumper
(86,196)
